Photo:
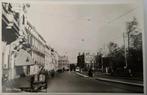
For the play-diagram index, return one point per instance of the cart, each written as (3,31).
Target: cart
(39,81)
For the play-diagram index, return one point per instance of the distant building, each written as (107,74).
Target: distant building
(55,58)
(86,61)
(89,60)
(63,63)
(48,59)
(81,60)
(51,59)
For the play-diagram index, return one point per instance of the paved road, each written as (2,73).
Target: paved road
(70,82)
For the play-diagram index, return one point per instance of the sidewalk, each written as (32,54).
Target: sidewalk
(122,80)
(15,85)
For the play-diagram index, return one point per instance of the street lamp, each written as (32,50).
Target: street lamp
(126,65)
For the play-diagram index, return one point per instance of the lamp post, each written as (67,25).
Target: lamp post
(126,64)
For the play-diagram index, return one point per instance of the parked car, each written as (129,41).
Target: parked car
(77,69)
(39,81)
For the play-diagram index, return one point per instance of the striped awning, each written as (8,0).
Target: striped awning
(23,58)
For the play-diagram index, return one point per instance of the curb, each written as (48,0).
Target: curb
(81,74)
(115,81)
(122,82)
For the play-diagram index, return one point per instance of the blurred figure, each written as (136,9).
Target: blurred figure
(90,72)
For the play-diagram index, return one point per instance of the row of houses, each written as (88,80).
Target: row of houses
(24,51)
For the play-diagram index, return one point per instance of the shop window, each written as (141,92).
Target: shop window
(19,71)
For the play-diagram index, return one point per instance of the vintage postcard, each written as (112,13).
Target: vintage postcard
(79,47)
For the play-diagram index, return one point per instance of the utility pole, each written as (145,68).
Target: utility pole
(129,30)
(125,51)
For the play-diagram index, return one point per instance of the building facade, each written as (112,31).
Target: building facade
(63,63)
(14,41)
(49,66)
(85,61)
(37,46)
(55,58)
(24,51)
(89,60)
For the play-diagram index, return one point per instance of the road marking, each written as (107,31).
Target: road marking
(82,75)
(117,81)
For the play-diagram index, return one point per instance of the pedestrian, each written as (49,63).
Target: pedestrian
(90,72)
(32,81)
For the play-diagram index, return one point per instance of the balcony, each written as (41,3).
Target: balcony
(10,19)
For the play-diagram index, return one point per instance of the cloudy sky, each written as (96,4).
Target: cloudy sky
(72,28)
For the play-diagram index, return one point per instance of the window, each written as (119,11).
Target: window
(31,40)
(23,19)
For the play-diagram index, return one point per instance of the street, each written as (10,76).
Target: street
(75,48)
(70,82)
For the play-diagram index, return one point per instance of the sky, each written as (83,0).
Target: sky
(74,28)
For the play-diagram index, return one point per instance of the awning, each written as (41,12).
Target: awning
(23,58)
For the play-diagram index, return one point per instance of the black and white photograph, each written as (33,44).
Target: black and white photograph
(72,47)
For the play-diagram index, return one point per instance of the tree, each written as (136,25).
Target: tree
(134,55)
(116,57)
(113,48)
(98,61)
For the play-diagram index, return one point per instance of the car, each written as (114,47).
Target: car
(77,69)
(66,69)
(39,81)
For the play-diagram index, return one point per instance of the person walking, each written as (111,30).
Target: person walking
(90,72)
